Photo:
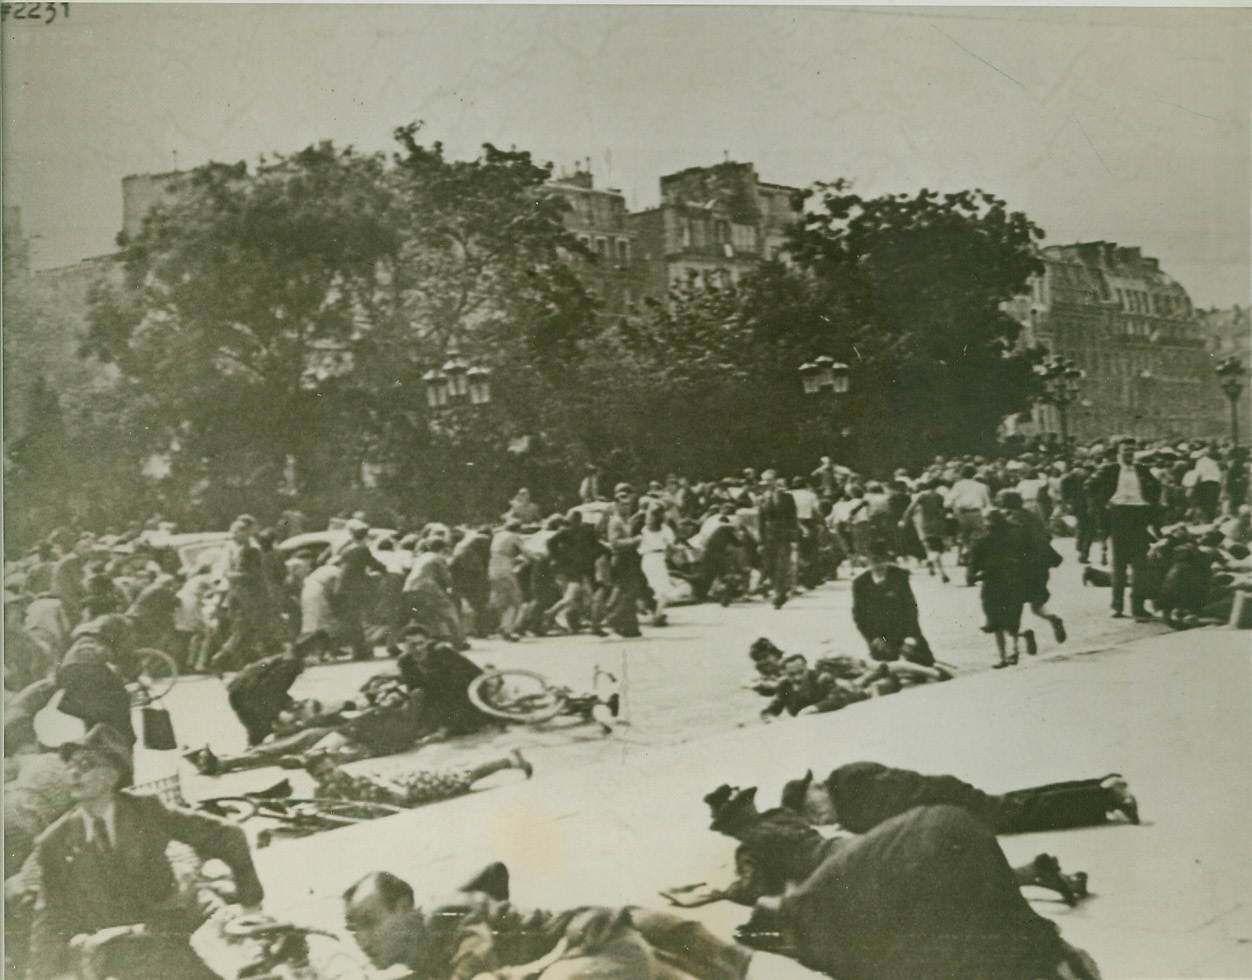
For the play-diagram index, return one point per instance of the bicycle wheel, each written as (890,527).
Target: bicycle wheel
(236,809)
(155,674)
(516,695)
(338,812)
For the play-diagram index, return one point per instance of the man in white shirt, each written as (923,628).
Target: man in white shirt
(809,516)
(1207,490)
(968,499)
(1132,495)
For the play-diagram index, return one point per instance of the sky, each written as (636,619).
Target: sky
(1128,125)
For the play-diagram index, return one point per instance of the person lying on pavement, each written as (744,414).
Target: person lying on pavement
(860,795)
(778,848)
(926,895)
(407,788)
(478,933)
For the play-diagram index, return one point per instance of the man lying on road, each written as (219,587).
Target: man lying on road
(479,934)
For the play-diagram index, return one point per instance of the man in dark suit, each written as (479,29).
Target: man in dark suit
(1133,497)
(780,527)
(247,598)
(885,611)
(102,866)
(357,588)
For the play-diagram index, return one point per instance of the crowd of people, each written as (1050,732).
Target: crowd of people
(1161,518)
(1165,528)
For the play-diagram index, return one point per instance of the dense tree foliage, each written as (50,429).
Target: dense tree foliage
(274,326)
(917,284)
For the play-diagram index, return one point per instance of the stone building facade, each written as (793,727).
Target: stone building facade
(615,274)
(713,222)
(1133,331)
(45,320)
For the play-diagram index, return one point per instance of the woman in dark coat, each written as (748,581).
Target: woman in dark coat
(928,895)
(995,560)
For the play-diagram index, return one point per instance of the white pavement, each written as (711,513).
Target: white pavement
(1170,898)
(681,682)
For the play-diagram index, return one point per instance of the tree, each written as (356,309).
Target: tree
(701,384)
(239,313)
(482,270)
(279,321)
(915,285)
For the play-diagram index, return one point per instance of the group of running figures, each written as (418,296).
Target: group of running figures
(620,554)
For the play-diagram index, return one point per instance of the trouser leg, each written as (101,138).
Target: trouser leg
(1121,561)
(1084,536)
(1058,806)
(267,752)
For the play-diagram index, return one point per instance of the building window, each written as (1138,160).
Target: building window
(623,252)
(602,247)
(743,237)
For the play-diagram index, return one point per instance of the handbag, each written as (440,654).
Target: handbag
(158,729)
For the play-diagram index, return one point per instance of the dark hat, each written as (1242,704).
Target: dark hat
(1009,500)
(727,805)
(762,647)
(795,791)
(105,740)
(718,798)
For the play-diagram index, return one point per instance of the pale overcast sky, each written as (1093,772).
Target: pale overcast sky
(1121,124)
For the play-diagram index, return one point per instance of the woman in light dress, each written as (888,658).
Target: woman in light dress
(506,591)
(656,540)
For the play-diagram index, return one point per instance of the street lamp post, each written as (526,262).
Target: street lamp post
(1231,373)
(825,374)
(457,381)
(1061,380)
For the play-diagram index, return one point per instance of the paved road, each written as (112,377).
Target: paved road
(681,682)
(1170,898)
(615,819)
